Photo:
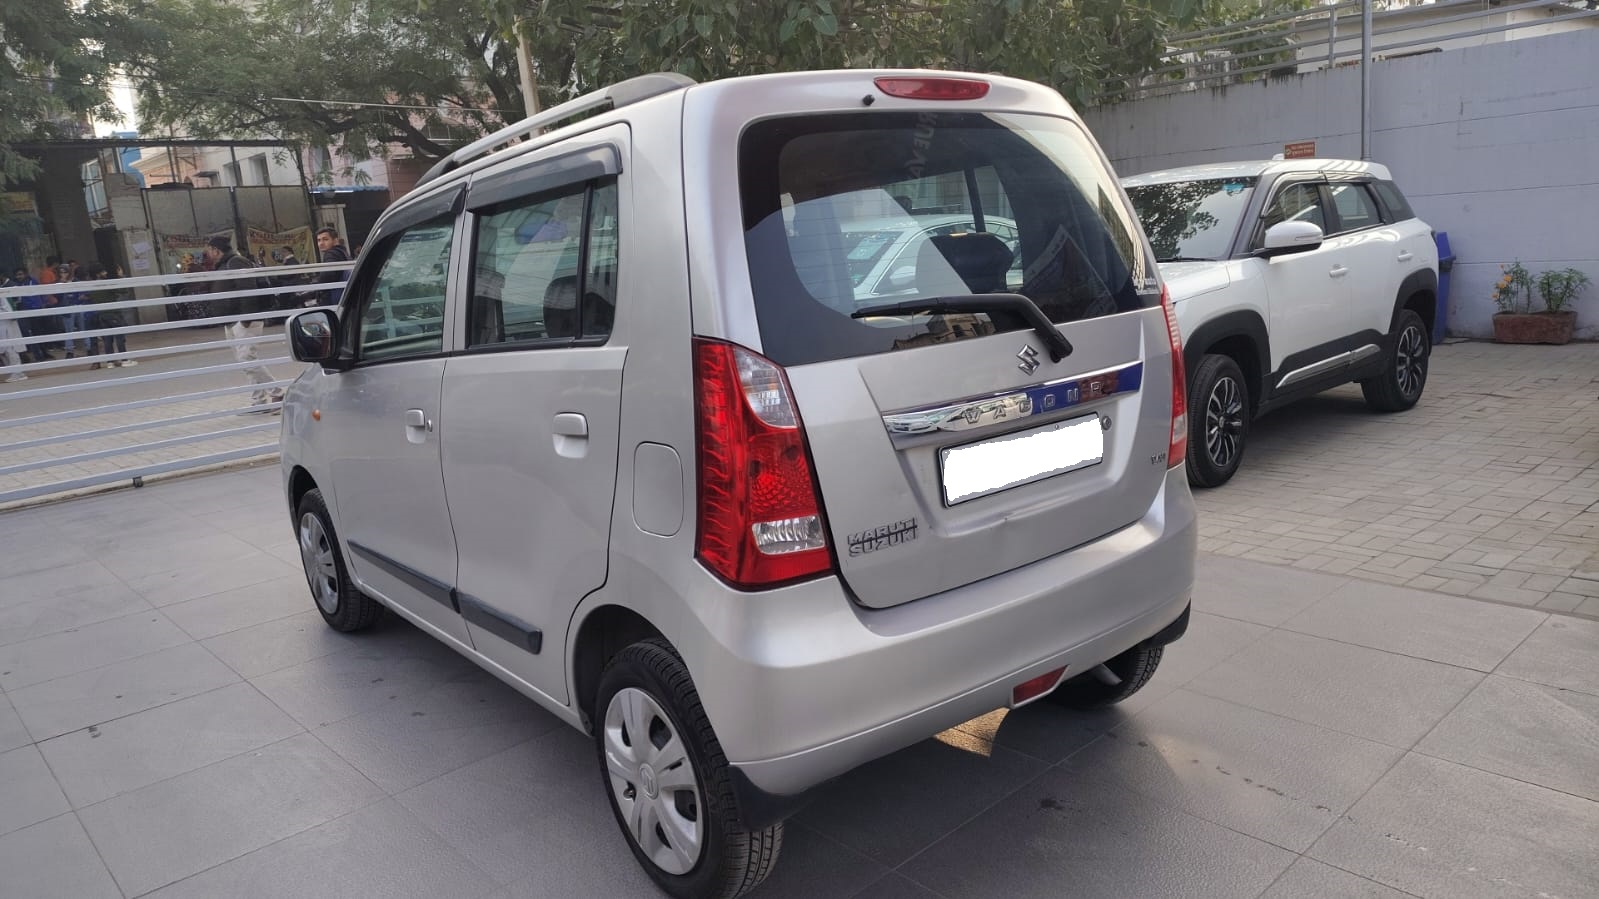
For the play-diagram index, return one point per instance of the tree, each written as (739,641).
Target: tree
(53,76)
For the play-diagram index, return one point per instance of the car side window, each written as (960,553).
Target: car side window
(1397,207)
(531,279)
(1296,203)
(402,311)
(1356,207)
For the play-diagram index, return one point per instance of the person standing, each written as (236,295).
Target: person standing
(35,351)
(332,250)
(73,322)
(219,253)
(11,342)
(115,345)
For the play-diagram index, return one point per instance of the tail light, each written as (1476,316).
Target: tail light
(760,513)
(1177,452)
(932,87)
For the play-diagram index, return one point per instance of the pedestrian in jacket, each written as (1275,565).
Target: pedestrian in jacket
(219,253)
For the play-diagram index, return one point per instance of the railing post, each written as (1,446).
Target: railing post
(1365,79)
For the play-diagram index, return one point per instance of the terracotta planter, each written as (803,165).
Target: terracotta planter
(1534,327)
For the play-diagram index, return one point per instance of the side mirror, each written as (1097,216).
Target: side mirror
(314,336)
(1284,238)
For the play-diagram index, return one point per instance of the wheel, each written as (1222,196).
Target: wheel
(1218,421)
(669,782)
(343,606)
(1113,681)
(1405,374)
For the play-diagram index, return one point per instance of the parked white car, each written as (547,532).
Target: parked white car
(1288,277)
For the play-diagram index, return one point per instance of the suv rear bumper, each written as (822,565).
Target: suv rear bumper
(802,684)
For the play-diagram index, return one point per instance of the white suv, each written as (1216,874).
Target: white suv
(1289,277)
(615,413)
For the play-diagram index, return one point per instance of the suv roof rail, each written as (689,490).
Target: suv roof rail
(615,96)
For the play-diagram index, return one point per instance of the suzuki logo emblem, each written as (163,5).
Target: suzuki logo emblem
(1029,359)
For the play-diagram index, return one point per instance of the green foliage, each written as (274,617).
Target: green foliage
(1561,286)
(1513,292)
(53,77)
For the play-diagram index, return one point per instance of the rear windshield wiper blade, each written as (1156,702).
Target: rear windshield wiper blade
(1059,347)
(1186,259)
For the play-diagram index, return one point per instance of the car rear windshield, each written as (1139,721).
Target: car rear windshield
(851,211)
(1192,219)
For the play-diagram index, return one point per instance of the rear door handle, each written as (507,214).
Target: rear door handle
(571,435)
(417,425)
(1406,255)
(571,424)
(1338,271)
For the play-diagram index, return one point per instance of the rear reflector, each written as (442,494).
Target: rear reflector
(1177,452)
(760,515)
(933,88)
(1026,691)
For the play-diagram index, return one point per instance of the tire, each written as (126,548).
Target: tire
(1404,374)
(1132,668)
(343,606)
(1218,421)
(708,853)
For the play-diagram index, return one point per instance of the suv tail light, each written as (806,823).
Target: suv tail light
(760,513)
(932,87)
(1177,451)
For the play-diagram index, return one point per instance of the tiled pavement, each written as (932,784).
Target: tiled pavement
(1489,488)
(176,721)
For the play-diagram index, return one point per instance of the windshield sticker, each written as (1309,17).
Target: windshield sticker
(1234,188)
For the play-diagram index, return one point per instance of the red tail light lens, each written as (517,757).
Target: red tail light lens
(933,88)
(760,514)
(1177,452)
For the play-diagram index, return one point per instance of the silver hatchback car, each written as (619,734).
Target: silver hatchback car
(607,409)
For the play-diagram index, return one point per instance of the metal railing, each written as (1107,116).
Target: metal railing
(1326,36)
(70,424)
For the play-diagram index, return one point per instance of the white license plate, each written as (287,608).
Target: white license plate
(978,469)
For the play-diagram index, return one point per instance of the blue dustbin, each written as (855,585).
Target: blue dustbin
(1446,264)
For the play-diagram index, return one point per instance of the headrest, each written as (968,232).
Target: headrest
(973,262)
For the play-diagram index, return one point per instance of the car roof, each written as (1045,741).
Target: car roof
(1256,169)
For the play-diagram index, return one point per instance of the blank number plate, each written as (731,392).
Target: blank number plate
(978,469)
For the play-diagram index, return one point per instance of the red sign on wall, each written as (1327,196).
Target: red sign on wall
(1303,149)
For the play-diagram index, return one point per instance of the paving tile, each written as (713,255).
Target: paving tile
(284,643)
(12,733)
(1542,735)
(373,675)
(427,734)
(1308,877)
(204,578)
(1560,653)
(23,588)
(178,827)
(380,850)
(128,753)
(1362,692)
(893,807)
(1270,777)
(91,646)
(94,697)
(1414,623)
(896,886)
(54,860)
(134,562)
(1090,836)
(1434,828)
(68,611)
(28,792)
(536,809)
(220,613)
(1263,594)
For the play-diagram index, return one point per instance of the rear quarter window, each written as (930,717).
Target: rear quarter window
(1395,206)
(843,212)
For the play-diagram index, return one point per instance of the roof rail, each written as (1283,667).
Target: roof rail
(616,96)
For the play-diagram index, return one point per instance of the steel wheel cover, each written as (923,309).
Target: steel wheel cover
(1224,422)
(653,782)
(1410,361)
(316,555)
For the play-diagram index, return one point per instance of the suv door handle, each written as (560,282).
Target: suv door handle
(417,425)
(571,435)
(1406,255)
(1338,271)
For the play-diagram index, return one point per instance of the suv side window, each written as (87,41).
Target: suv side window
(1394,203)
(545,267)
(402,310)
(1296,203)
(1356,207)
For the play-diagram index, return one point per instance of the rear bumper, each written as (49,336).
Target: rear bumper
(802,684)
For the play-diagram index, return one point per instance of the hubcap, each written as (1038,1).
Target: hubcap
(652,781)
(1410,361)
(316,555)
(1224,422)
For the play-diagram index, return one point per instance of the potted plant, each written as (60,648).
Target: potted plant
(1516,322)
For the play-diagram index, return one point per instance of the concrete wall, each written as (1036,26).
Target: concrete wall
(1498,145)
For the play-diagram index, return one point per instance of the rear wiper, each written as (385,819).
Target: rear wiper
(1186,259)
(1054,340)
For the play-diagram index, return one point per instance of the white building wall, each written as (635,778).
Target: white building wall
(1498,145)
